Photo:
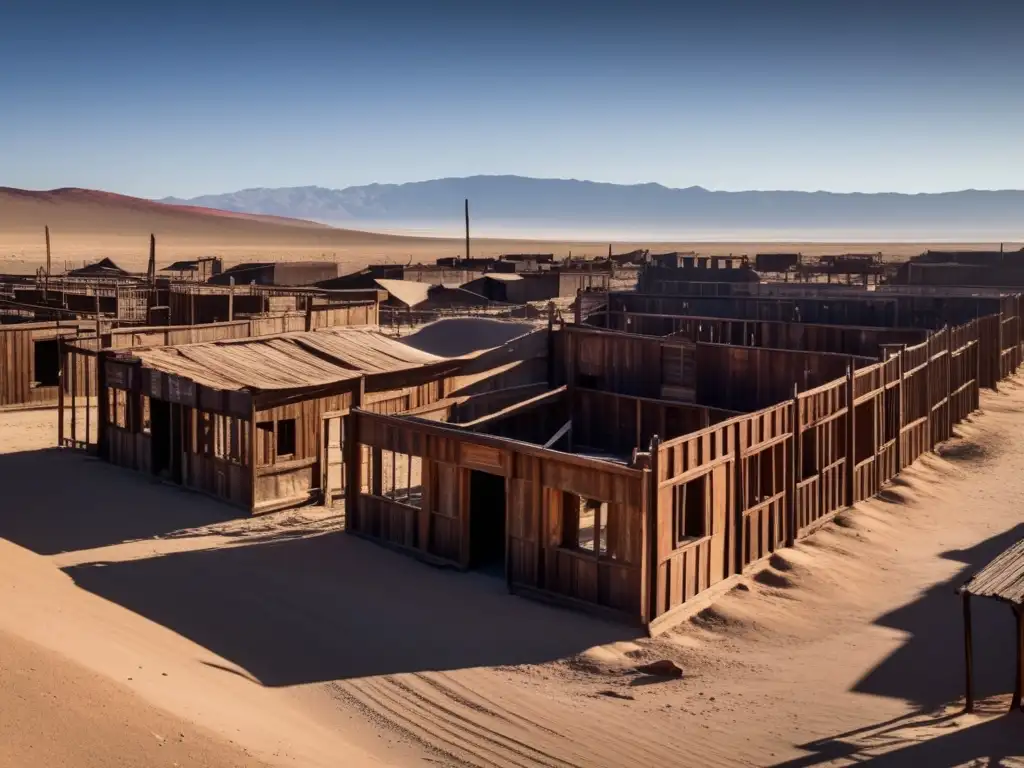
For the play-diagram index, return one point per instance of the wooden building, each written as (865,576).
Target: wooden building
(258,422)
(614,472)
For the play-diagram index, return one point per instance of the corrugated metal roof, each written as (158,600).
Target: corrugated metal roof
(1002,579)
(286,361)
(409,292)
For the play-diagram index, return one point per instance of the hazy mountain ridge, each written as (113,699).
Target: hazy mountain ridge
(521,199)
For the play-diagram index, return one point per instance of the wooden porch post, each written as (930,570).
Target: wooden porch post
(1018,683)
(352,453)
(968,653)
(61,353)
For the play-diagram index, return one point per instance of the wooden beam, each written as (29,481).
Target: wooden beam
(352,453)
(559,434)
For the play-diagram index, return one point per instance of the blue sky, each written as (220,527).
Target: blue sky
(187,98)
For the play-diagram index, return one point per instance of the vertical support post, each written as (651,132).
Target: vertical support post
(74,392)
(88,399)
(968,653)
(650,551)
(928,395)
(191,307)
(795,468)
(851,443)
(353,457)
(467,230)
(60,390)
(1018,683)
(570,373)
(578,317)
(739,538)
(46,280)
(551,344)
(151,270)
(101,401)
(900,412)
(231,298)
(253,454)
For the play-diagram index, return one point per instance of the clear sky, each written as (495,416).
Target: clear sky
(186,97)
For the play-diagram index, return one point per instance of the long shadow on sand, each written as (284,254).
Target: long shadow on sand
(928,669)
(937,743)
(332,607)
(56,501)
(287,608)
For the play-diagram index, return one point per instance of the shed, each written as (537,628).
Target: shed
(1002,580)
(102,268)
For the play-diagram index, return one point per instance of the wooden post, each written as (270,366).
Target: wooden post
(653,522)
(46,281)
(968,653)
(60,390)
(739,538)
(900,413)
(151,271)
(851,444)
(253,454)
(1018,682)
(467,229)
(578,318)
(74,415)
(795,469)
(551,343)
(928,395)
(231,298)
(191,307)
(88,407)
(570,374)
(352,452)
(101,403)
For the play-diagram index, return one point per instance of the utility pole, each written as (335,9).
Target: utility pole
(151,272)
(46,281)
(467,229)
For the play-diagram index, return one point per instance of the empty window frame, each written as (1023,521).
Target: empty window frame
(585,524)
(285,443)
(691,505)
(764,475)
(397,476)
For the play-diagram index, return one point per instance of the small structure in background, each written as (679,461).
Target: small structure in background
(1002,580)
(287,273)
(104,268)
(196,270)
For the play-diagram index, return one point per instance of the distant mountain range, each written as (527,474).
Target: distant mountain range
(524,201)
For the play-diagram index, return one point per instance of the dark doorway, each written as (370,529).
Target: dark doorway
(487,522)
(160,436)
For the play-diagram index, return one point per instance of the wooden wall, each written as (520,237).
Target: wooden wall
(811,337)
(18,376)
(538,560)
(750,378)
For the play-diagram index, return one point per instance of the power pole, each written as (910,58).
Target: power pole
(467,229)
(46,280)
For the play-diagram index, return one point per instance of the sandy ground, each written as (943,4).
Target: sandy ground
(305,646)
(88,225)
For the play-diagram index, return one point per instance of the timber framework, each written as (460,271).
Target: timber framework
(624,463)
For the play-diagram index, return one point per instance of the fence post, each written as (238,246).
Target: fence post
(352,453)
(928,394)
(795,464)
(851,459)
(653,523)
(900,412)
(739,500)
(60,388)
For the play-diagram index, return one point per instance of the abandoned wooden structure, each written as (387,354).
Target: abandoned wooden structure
(36,357)
(617,472)
(1002,580)
(257,422)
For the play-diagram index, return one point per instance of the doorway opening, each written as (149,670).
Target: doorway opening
(487,522)
(159,436)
